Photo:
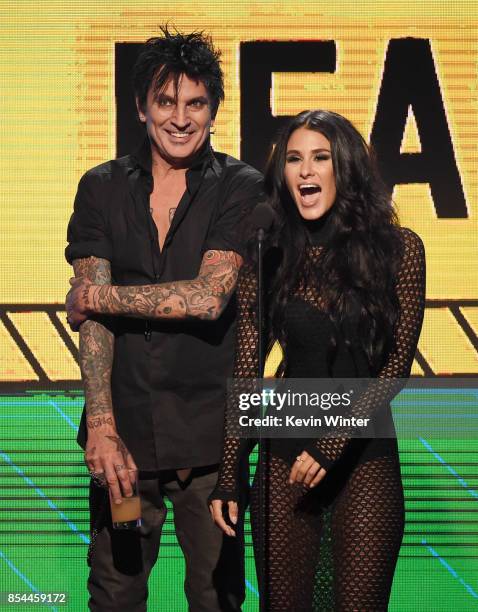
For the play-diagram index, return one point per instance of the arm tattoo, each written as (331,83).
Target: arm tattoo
(96,349)
(96,422)
(204,297)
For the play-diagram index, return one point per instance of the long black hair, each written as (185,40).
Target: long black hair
(359,265)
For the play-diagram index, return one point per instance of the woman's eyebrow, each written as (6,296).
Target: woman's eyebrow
(321,150)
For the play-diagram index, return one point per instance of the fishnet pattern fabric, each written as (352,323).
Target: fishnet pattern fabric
(410,288)
(246,367)
(333,548)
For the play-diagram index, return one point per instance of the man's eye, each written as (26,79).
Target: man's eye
(165,102)
(197,104)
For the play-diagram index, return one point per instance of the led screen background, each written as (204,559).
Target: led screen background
(59,117)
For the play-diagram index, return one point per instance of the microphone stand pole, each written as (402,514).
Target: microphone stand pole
(262,464)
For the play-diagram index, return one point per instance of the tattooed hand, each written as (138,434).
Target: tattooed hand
(77,302)
(107,454)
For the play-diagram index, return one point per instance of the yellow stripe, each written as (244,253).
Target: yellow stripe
(444,344)
(273,360)
(471,315)
(13,365)
(45,343)
(73,335)
(416,369)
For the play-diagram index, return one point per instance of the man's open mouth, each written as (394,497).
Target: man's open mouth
(180,134)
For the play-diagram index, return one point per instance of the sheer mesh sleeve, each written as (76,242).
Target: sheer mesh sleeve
(410,289)
(246,367)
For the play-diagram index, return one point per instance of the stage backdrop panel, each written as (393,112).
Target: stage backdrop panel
(404,72)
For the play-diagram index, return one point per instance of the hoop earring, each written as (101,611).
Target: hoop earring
(212,131)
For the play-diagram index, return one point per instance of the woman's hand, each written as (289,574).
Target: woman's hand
(216,507)
(306,470)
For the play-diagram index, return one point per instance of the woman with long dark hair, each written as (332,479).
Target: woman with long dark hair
(345,301)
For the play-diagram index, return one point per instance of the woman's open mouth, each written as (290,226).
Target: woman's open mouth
(308,193)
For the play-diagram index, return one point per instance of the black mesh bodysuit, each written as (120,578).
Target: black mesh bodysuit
(332,548)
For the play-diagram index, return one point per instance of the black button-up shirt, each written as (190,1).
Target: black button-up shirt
(169,377)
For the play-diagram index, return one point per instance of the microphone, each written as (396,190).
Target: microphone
(262,219)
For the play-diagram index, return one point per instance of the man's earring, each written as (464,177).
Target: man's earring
(212,130)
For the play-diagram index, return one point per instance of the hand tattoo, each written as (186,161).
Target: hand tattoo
(120,447)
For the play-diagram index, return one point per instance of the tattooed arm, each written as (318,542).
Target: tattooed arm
(104,451)
(204,297)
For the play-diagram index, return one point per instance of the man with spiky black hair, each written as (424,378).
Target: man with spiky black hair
(155,243)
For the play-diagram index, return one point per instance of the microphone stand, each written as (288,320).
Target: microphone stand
(260,299)
(262,443)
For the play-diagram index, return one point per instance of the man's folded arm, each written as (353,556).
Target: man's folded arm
(204,297)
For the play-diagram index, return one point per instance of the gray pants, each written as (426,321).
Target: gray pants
(121,561)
